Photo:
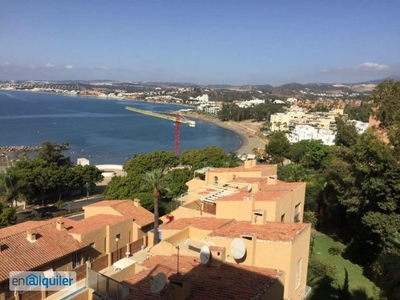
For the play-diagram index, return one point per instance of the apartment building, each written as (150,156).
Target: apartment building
(38,246)
(110,231)
(243,208)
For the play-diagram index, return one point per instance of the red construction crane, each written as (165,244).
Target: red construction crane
(178,119)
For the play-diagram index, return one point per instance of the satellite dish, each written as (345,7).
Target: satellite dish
(158,283)
(238,248)
(205,255)
(249,187)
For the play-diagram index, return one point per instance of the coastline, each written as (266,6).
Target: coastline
(247,143)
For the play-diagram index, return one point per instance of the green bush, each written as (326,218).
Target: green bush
(335,250)
(310,217)
(320,269)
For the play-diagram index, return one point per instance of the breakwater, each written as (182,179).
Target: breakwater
(19,148)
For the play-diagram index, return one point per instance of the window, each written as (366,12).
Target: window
(118,237)
(298,274)
(283,218)
(76,259)
(105,245)
(215,180)
(297,213)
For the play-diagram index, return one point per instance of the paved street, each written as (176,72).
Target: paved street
(51,209)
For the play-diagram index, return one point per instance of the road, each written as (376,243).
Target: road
(51,210)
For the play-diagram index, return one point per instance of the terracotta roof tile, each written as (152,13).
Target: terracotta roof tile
(242,168)
(230,281)
(127,208)
(22,227)
(281,186)
(91,223)
(257,196)
(248,179)
(19,254)
(270,231)
(200,223)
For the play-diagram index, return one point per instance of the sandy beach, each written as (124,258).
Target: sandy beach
(243,129)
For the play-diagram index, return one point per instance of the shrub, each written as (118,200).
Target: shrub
(310,217)
(335,250)
(320,269)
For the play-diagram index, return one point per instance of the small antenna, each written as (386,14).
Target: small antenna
(158,283)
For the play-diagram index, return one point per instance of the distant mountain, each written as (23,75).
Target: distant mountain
(378,81)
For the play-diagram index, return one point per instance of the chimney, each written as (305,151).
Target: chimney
(259,217)
(136,202)
(218,256)
(271,180)
(60,225)
(181,285)
(31,236)
(248,164)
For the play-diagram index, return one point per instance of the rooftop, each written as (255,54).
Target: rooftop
(22,227)
(206,282)
(243,168)
(200,223)
(20,254)
(127,208)
(281,186)
(258,196)
(270,231)
(92,223)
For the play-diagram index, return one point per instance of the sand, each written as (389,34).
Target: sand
(243,129)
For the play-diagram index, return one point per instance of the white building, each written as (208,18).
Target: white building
(249,103)
(360,126)
(203,98)
(307,132)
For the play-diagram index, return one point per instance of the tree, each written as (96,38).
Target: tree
(278,146)
(346,134)
(52,153)
(143,163)
(155,181)
(8,216)
(364,179)
(292,173)
(87,174)
(386,109)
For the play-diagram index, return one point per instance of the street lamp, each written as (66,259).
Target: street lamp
(87,193)
(117,239)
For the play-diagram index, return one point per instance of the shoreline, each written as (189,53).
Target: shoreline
(247,144)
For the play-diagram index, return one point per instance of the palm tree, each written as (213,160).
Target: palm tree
(155,180)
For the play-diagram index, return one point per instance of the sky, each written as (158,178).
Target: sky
(200,41)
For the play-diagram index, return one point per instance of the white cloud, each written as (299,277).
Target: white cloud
(69,67)
(49,65)
(104,68)
(370,66)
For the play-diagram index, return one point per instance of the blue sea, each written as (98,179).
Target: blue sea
(101,130)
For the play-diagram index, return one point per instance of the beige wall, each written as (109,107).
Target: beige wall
(241,210)
(284,206)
